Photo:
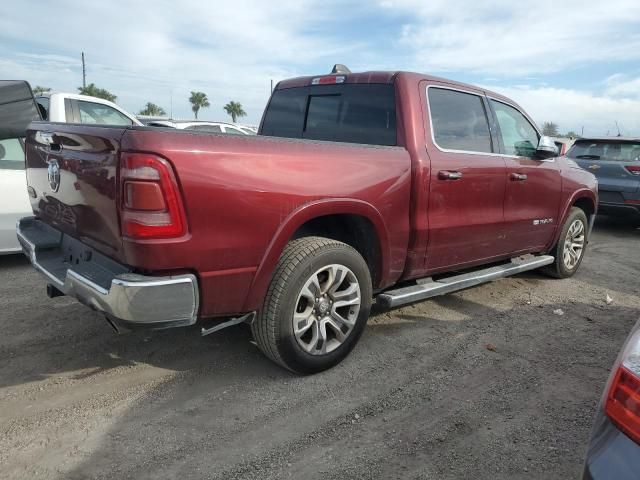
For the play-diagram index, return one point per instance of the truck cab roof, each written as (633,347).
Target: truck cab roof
(384,77)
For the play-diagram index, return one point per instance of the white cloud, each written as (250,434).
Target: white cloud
(159,51)
(574,109)
(515,38)
(155,51)
(625,86)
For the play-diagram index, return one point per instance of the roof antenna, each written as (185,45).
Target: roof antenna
(618,128)
(340,68)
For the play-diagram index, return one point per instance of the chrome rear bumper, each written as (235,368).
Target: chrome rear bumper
(126,298)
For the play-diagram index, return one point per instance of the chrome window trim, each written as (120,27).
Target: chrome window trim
(451,150)
(473,152)
(531,122)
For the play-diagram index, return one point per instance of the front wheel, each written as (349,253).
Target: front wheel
(316,307)
(571,245)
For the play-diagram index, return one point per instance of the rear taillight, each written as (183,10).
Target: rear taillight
(150,203)
(622,404)
(634,169)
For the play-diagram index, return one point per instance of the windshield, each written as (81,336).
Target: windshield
(340,113)
(611,150)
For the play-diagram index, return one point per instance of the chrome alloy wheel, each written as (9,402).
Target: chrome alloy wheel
(326,309)
(573,244)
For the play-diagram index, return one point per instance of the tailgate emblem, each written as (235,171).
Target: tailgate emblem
(53,175)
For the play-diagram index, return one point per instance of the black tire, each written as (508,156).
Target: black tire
(273,326)
(558,269)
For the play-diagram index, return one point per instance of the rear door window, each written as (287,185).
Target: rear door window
(459,121)
(341,113)
(98,114)
(519,137)
(614,151)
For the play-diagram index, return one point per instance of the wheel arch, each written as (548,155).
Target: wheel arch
(354,222)
(587,201)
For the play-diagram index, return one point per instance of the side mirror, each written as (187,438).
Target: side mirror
(546,148)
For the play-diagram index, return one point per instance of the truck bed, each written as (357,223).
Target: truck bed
(239,195)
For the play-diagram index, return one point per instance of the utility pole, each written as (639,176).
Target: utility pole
(272,85)
(84,73)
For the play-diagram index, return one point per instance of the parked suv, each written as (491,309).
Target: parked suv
(615,161)
(385,184)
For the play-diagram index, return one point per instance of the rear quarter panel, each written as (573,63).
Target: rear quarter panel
(245,196)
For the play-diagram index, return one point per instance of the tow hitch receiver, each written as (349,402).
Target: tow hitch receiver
(248,318)
(53,292)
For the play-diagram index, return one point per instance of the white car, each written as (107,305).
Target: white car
(54,107)
(74,108)
(14,201)
(213,127)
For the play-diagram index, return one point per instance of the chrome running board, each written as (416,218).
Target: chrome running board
(427,287)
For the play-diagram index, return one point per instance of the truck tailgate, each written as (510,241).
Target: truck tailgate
(72,179)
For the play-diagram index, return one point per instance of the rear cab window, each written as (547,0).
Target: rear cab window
(233,131)
(459,121)
(351,113)
(205,128)
(608,150)
(43,106)
(98,114)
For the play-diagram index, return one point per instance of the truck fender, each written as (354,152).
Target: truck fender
(299,217)
(577,195)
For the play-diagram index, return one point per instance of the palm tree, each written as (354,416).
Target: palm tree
(235,110)
(39,90)
(198,100)
(94,91)
(153,110)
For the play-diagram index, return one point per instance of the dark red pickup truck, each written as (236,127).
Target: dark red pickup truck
(390,184)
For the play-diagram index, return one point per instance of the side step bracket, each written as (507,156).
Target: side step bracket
(248,318)
(428,288)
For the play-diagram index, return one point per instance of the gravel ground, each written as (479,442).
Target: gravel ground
(421,396)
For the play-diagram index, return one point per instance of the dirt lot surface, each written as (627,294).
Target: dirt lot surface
(421,396)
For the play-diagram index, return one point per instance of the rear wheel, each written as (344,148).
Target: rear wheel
(571,245)
(316,307)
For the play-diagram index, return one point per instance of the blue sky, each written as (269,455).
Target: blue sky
(577,64)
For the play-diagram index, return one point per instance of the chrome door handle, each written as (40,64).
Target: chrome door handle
(518,177)
(449,175)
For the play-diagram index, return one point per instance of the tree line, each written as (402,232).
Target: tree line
(198,101)
(551,129)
